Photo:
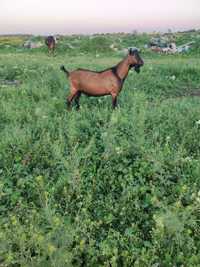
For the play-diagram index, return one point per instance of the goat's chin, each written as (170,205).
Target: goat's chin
(137,69)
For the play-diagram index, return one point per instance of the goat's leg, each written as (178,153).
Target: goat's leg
(54,52)
(77,98)
(70,99)
(114,100)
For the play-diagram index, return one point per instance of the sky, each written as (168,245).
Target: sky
(97,16)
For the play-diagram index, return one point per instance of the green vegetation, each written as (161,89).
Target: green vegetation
(99,187)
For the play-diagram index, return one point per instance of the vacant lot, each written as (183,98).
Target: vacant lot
(99,187)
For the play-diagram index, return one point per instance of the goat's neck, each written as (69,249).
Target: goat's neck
(123,69)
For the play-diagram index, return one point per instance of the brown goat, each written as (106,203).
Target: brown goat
(50,41)
(106,82)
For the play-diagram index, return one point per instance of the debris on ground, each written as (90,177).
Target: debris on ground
(31,45)
(113,47)
(185,47)
(161,42)
(10,82)
(163,45)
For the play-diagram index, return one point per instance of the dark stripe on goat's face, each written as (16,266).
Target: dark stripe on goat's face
(139,59)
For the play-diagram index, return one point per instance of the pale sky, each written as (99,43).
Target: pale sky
(97,16)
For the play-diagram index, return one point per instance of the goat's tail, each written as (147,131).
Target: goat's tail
(64,69)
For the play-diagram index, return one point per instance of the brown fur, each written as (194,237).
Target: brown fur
(107,82)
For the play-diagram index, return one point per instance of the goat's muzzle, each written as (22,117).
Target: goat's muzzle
(137,66)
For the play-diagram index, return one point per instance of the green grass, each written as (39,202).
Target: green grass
(99,187)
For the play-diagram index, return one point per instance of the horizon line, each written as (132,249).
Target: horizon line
(104,33)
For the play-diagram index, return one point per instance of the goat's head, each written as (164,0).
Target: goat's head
(134,59)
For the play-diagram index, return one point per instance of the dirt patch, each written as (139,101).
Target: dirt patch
(187,94)
(194,93)
(191,93)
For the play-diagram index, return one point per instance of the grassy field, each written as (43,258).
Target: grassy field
(99,187)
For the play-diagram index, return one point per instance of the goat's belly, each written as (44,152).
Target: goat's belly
(95,91)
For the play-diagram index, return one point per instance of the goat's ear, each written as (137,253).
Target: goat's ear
(130,51)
